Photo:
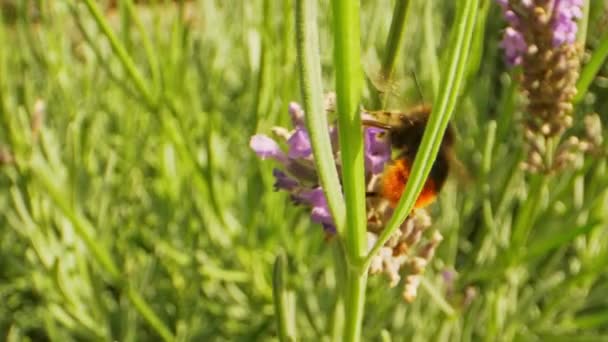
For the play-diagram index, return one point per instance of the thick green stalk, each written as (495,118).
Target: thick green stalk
(355,303)
(309,69)
(438,121)
(347,65)
(348,90)
(336,324)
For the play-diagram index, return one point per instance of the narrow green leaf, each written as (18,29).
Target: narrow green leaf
(121,52)
(394,42)
(282,311)
(545,245)
(437,124)
(591,69)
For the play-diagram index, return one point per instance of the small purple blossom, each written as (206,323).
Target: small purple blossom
(564,24)
(297,174)
(315,198)
(299,144)
(266,147)
(515,46)
(558,20)
(541,37)
(284,181)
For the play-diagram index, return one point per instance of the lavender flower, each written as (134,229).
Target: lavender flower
(541,38)
(408,250)
(532,21)
(299,177)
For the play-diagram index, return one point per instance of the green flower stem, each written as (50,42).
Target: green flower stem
(591,69)
(336,324)
(355,304)
(122,53)
(348,90)
(347,59)
(438,122)
(309,67)
(526,217)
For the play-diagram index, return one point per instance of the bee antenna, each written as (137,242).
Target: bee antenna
(418,86)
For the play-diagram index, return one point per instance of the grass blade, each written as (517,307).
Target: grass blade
(437,124)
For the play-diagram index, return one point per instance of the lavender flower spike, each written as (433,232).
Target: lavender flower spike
(541,37)
(535,21)
(406,253)
(298,175)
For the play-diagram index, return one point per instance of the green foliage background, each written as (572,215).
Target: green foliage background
(134,189)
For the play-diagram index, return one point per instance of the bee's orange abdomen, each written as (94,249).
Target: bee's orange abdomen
(394,180)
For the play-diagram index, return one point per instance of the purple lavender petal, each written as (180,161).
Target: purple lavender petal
(564,32)
(564,25)
(302,169)
(511,18)
(299,144)
(315,198)
(515,46)
(266,147)
(310,197)
(320,214)
(377,151)
(283,181)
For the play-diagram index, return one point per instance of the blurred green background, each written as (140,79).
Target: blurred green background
(127,183)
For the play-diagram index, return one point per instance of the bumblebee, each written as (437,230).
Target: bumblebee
(404,130)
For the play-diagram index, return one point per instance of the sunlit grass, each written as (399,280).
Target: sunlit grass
(137,210)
